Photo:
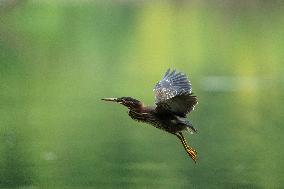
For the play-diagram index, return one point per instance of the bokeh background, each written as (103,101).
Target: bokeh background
(59,58)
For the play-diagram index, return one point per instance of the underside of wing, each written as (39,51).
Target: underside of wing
(174,94)
(179,105)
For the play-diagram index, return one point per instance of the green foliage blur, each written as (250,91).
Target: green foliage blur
(59,58)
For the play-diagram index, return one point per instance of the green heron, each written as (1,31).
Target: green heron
(174,100)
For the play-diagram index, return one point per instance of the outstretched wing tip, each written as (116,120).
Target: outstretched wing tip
(172,84)
(167,72)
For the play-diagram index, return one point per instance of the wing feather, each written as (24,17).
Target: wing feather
(173,94)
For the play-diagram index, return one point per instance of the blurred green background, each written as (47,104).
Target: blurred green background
(59,58)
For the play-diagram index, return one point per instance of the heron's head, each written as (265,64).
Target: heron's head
(129,102)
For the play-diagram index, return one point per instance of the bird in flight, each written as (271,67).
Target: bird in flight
(174,100)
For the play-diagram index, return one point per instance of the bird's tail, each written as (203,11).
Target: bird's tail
(190,128)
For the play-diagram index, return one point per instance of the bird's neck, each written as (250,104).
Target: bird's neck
(141,109)
(136,109)
(147,109)
(140,114)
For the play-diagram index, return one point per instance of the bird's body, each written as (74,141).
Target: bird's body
(174,100)
(167,122)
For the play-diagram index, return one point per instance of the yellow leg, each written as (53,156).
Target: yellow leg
(190,151)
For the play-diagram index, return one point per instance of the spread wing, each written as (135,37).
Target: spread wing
(173,94)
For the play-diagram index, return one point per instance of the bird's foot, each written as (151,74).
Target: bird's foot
(192,153)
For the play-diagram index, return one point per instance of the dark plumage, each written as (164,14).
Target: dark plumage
(174,100)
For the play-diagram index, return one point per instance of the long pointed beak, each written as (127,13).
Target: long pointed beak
(110,99)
